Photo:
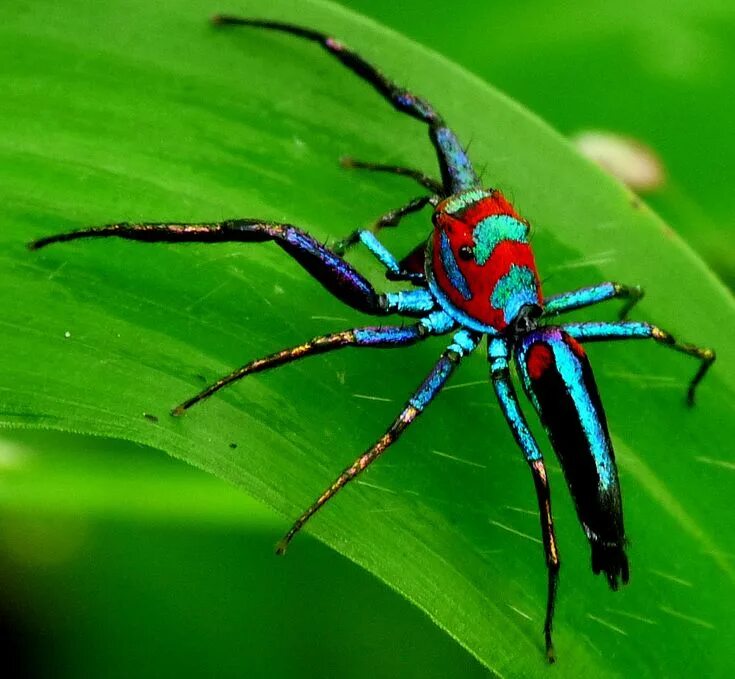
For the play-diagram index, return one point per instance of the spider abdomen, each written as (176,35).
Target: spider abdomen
(558,379)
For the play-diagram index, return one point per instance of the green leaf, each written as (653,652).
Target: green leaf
(137,111)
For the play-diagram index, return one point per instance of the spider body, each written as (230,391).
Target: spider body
(480,265)
(475,278)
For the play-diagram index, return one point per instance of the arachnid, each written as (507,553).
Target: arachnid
(474,278)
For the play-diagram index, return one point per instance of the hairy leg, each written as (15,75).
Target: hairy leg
(463,344)
(457,171)
(498,356)
(376,337)
(577,299)
(336,275)
(603,332)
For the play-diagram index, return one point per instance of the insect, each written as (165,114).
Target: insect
(474,278)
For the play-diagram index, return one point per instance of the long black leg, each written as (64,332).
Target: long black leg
(498,354)
(372,337)
(456,169)
(577,299)
(463,344)
(427,182)
(336,275)
(603,332)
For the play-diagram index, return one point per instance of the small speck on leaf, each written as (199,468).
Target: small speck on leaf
(150,418)
(631,161)
(233,446)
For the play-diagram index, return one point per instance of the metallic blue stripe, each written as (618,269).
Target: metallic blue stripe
(570,370)
(494,230)
(452,269)
(579,298)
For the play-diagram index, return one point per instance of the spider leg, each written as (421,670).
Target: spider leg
(601,332)
(463,344)
(394,269)
(498,355)
(576,299)
(380,337)
(336,275)
(456,170)
(427,182)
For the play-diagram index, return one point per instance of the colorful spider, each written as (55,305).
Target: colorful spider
(475,277)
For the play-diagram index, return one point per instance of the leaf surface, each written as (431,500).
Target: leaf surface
(141,112)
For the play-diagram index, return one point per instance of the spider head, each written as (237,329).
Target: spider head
(481,266)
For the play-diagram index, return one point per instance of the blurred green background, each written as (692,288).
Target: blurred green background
(662,72)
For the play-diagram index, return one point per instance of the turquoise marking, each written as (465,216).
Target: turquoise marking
(370,241)
(463,200)
(493,230)
(579,298)
(455,276)
(514,290)
(571,371)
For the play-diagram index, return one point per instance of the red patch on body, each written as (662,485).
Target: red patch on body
(538,360)
(575,346)
(481,279)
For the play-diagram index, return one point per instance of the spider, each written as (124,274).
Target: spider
(475,277)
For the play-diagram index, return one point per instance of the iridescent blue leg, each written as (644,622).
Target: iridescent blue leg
(427,182)
(498,352)
(394,270)
(376,337)
(602,332)
(576,299)
(336,275)
(456,169)
(391,218)
(463,344)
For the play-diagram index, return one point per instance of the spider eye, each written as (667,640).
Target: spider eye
(466,253)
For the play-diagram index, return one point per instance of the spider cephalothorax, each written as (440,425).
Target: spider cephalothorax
(480,264)
(476,278)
